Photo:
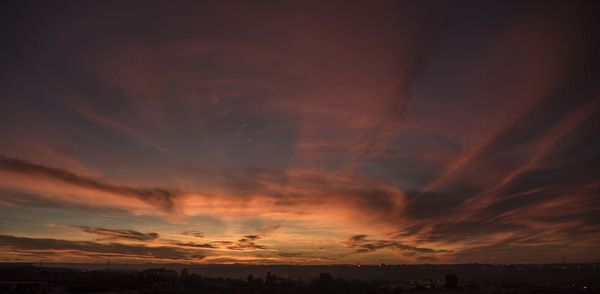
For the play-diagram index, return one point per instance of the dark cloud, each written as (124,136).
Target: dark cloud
(362,244)
(26,198)
(120,234)
(291,254)
(432,204)
(196,245)
(381,203)
(35,244)
(158,197)
(248,242)
(534,247)
(410,230)
(246,180)
(358,238)
(266,229)
(196,234)
(459,231)
(222,242)
(250,238)
(309,256)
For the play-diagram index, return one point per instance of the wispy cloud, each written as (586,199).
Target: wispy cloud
(435,131)
(42,246)
(362,244)
(120,234)
(122,129)
(248,242)
(159,197)
(196,234)
(195,245)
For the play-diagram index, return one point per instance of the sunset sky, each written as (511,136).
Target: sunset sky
(300,132)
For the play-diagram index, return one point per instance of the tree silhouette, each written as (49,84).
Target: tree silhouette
(324,279)
(451,281)
(270,279)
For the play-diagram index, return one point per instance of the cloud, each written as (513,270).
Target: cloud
(410,125)
(250,238)
(196,234)
(195,245)
(455,232)
(120,234)
(219,243)
(432,204)
(161,198)
(358,238)
(266,229)
(15,197)
(43,245)
(248,242)
(114,125)
(362,244)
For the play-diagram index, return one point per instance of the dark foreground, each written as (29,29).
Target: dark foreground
(472,278)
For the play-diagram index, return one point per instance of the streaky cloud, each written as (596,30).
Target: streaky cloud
(159,197)
(40,245)
(361,244)
(120,234)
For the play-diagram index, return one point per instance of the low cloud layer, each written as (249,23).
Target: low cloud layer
(120,234)
(196,234)
(362,244)
(248,242)
(42,246)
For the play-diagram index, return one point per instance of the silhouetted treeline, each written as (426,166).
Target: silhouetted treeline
(168,281)
(39,280)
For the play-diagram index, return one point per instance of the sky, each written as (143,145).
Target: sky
(300,132)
